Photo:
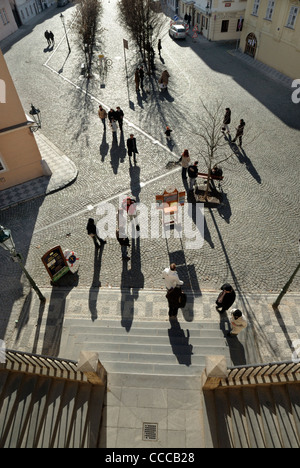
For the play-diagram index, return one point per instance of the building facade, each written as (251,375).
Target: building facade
(8,23)
(271,34)
(20,158)
(217,20)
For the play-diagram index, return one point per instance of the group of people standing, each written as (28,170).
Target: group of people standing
(177,299)
(115,118)
(188,169)
(239,129)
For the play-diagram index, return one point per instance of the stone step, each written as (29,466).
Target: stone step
(140,324)
(146,347)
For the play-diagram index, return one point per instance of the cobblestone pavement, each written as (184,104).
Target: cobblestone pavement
(251,241)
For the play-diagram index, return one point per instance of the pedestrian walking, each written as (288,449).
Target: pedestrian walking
(137,80)
(111,114)
(114,127)
(185,162)
(92,232)
(239,132)
(226,120)
(119,117)
(238,322)
(193,174)
(51,37)
(168,133)
(226,298)
(46,34)
(171,277)
(173,296)
(159,46)
(141,75)
(129,205)
(131,147)
(164,80)
(102,116)
(124,243)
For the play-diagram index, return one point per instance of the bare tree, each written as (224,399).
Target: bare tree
(213,148)
(85,23)
(144,23)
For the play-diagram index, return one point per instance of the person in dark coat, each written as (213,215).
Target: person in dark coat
(111,115)
(47,36)
(92,232)
(239,132)
(131,146)
(119,115)
(226,298)
(226,120)
(173,296)
(51,37)
(193,174)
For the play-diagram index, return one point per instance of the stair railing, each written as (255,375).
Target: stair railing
(87,369)
(217,374)
(273,372)
(43,365)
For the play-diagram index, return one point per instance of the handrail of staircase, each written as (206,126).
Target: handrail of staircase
(280,371)
(41,364)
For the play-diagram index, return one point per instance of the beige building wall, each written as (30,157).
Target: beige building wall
(277,42)
(217,20)
(20,159)
(7,20)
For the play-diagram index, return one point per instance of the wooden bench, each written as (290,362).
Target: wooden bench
(213,177)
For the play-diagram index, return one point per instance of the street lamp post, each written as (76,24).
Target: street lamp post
(36,114)
(208,12)
(63,22)
(7,243)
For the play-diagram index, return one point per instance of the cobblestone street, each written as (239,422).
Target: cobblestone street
(250,241)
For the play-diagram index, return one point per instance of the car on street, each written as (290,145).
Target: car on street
(177,31)
(61,3)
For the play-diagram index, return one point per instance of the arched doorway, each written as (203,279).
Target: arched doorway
(251,44)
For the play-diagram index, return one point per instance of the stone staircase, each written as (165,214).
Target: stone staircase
(40,411)
(253,416)
(145,347)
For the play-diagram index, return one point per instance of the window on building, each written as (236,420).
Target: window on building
(3,16)
(239,24)
(255,7)
(270,9)
(292,17)
(225,24)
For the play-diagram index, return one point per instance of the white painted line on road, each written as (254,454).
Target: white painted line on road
(107,200)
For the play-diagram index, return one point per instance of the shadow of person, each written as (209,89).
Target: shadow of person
(114,154)
(104,146)
(122,148)
(180,343)
(127,299)
(96,283)
(236,348)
